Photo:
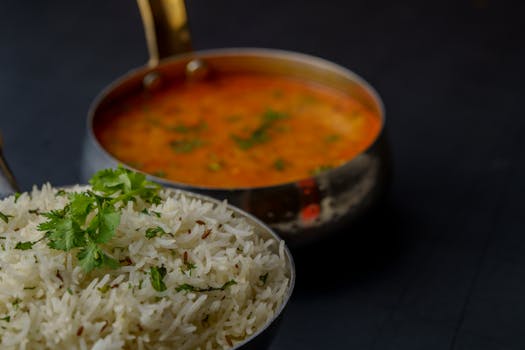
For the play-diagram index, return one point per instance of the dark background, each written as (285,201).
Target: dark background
(441,264)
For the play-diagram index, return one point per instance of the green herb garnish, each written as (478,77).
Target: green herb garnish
(186,145)
(189,288)
(214,166)
(156,276)
(6,318)
(104,289)
(60,193)
(188,267)
(149,212)
(260,134)
(279,164)
(74,227)
(332,138)
(263,278)
(17,195)
(24,245)
(185,129)
(156,231)
(5,217)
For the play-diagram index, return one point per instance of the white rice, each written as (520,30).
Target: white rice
(48,302)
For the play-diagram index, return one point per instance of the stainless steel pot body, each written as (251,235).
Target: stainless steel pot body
(301,211)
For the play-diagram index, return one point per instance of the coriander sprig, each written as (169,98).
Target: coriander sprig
(75,226)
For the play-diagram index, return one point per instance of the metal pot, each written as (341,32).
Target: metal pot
(301,211)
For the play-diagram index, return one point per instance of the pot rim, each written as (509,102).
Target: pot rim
(225,52)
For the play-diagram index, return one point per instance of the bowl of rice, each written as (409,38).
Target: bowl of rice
(125,264)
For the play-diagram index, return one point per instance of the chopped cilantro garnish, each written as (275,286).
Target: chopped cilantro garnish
(156,231)
(24,245)
(60,193)
(104,289)
(279,164)
(188,267)
(260,134)
(5,217)
(189,288)
(214,166)
(149,212)
(17,195)
(156,276)
(185,129)
(6,318)
(186,145)
(332,138)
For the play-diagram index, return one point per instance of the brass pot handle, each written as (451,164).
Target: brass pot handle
(166,28)
(8,183)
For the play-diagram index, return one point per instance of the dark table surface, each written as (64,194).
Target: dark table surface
(441,263)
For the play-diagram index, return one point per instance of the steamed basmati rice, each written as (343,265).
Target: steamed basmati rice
(48,302)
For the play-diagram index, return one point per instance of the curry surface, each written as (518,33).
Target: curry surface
(237,130)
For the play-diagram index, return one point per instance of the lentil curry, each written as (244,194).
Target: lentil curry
(237,130)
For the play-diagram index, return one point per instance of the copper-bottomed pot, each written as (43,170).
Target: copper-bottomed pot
(301,211)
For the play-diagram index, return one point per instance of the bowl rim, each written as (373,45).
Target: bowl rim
(225,52)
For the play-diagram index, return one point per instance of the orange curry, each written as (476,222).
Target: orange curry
(237,130)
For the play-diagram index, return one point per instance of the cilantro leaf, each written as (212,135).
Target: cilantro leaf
(81,205)
(271,116)
(156,276)
(154,232)
(24,245)
(186,287)
(64,233)
(189,288)
(126,183)
(104,225)
(91,257)
(5,217)
(279,164)
(260,134)
(186,145)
